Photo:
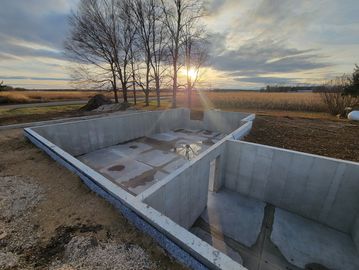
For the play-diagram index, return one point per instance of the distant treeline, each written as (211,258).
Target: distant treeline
(283,88)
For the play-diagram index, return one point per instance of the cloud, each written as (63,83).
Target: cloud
(269,80)
(33,78)
(258,57)
(38,21)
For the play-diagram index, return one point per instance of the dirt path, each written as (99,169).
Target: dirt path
(54,221)
(332,138)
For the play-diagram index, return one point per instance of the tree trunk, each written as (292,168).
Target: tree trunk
(174,97)
(158,93)
(114,85)
(134,90)
(146,98)
(124,92)
(115,94)
(189,97)
(147,91)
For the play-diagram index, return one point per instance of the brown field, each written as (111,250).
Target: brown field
(309,102)
(304,102)
(32,96)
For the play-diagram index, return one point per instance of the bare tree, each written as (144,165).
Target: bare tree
(333,95)
(143,10)
(159,45)
(178,14)
(126,33)
(93,40)
(195,45)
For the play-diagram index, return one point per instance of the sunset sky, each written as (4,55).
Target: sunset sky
(254,43)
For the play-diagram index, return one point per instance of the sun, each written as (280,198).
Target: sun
(192,73)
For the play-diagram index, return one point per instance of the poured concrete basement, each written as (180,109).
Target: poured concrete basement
(208,198)
(138,164)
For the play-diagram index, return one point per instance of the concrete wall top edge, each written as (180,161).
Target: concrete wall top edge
(128,113)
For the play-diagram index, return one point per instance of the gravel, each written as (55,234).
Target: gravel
(85,252)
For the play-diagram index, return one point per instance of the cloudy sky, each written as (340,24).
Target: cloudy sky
(254,42)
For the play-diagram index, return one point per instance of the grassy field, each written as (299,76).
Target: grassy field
(284,104)
(32,96)
(303,102)
(42,96)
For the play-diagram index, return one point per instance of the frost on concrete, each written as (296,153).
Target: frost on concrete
(85,252)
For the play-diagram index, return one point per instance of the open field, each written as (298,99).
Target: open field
(310,102)
(24,115)
(305,102)
(33,96)
(286,104)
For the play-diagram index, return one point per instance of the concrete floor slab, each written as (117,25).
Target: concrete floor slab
(209,134)
(130,148)
(217,243)
(304,242)
(174,165)
(141,186)
(156,158)
(125,169)
(165,136)
(100,159)
(235,216)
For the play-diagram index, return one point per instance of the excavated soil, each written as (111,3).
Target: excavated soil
(331,138)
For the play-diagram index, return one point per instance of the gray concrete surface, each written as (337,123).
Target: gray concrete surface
(303,242)
(355,232)
(138,164)
(263,255)
(316,187)
(218,243)
(224,122)
(82,137)
(235,216)
(183,197)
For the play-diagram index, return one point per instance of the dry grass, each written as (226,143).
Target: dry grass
(17,97)
(43,96)
(305,102)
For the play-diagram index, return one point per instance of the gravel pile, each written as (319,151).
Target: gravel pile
(17,197)
(85,252)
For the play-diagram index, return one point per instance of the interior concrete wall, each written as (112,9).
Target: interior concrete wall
(355,232)
(82,137)
(224,122)
(322,189)
(183,195)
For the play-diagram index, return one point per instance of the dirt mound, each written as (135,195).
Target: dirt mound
(95,102)
(112,107)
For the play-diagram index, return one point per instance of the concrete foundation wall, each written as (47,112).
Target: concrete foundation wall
(183,196)
(323,189)
(82,137)
(225,122)
(355,232)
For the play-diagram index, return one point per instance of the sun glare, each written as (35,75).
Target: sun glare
(192,73)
